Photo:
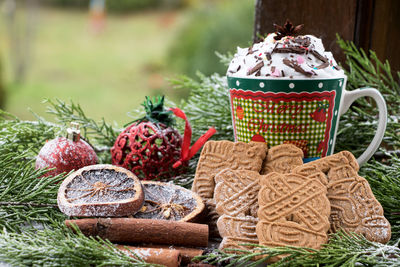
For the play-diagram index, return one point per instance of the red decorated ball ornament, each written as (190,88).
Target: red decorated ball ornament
(66,153)
(151,148)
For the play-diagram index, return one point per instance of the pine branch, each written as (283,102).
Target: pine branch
(102,134)
(208,105)
(20,136)
(4,115)
(27,204)
(61,247)
(385,183)
(342,250)
(21,183)
(225,59)
(368,71)
(186,179)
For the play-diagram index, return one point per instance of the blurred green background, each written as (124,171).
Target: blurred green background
(109,58)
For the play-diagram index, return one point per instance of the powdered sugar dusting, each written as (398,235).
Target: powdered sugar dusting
(118,186)
(65,155)
(166,195)
(101,191)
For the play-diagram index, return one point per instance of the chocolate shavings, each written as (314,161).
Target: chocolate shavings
(319,56)
(256,68)
(292,64)
(296,50)
(303,41)
(231,71)
(273,50)
(251,51)
(322,66)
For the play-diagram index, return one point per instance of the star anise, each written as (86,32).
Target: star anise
(164,201)
(287,30)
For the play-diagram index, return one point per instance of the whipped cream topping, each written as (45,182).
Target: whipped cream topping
(302,56)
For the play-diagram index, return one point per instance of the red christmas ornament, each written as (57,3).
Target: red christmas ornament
(151,148)
(148,150)
(66,153)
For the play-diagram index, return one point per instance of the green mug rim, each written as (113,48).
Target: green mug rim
(286,78)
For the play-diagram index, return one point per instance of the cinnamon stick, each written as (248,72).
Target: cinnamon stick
(163,256)
(132,230)
(187,254)
(200,265)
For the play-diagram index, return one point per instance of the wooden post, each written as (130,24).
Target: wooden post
(385,32)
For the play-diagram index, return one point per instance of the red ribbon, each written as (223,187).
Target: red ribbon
(188,152)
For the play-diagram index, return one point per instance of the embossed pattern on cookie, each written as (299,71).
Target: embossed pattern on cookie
(354,206)
(237,230)
(236,192)
(293,210)
(218,155)
(326,163)
(282,159)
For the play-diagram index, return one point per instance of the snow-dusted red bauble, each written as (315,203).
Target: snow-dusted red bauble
(148,150)
(65,154)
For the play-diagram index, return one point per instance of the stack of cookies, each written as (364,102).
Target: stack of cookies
(220,155)
(269,197)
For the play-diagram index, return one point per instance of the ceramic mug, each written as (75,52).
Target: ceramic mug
(304,112)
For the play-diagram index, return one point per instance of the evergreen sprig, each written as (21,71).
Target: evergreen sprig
(366,70)
(101,134)
(225,59)
(60,246)
(25,136)
(342,250)
(25,198)
(384,179)
(208,105)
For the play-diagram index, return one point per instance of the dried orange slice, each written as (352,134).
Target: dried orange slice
(100,191)
(166,201)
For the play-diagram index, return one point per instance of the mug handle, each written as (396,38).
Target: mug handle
(348,98)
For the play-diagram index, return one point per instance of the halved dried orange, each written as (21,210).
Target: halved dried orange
(100,190)
(166,201)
